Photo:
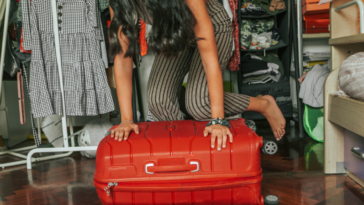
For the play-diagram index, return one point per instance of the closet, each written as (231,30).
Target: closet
(344,117)
(282,88)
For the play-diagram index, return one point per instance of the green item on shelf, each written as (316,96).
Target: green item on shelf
(269,58)
(265,4)
(313,122)
(273,59)
(249,26)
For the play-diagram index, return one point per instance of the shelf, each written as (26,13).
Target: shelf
(358,38)
(262,17)
(280,44)
(347,112)
(315,35)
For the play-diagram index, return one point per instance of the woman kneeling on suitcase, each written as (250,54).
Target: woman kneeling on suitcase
(188,36)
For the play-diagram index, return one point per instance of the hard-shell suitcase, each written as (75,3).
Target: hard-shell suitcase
(173,163)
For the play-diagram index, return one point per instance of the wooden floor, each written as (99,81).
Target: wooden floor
(295,175)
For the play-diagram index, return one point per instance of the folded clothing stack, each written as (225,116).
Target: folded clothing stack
(312,88)
(261,69)
(261,7)
(250,9)
(258,33)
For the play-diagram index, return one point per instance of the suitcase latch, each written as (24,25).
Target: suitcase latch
(109,186)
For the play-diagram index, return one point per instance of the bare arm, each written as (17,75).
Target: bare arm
(208,51)
(123,70)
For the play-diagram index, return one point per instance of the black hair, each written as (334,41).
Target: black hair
(172,29)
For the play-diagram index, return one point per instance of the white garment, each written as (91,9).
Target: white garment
(230,13)
(228,9)
(267,79)
(312,88)
(272,67)
(264,39)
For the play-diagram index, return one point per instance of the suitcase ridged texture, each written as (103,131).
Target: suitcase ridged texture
(174,150)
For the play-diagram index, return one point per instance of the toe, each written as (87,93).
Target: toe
(276,135)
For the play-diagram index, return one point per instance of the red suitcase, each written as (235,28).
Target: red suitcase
(172,163)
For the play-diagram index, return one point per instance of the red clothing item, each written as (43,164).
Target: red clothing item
(142,40)
(235,59)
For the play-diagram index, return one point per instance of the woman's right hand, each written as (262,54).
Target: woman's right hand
(123,131)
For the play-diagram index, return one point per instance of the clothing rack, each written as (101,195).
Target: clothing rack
(66,149)
(15,152)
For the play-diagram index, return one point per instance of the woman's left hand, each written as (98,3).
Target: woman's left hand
(221,133)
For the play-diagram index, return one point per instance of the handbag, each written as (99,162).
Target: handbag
(21,97)
(12,64)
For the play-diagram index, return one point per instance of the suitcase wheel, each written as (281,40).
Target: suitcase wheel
(270,148)
(271,200)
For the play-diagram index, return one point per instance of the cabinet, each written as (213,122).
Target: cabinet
(343,117)
(283,49)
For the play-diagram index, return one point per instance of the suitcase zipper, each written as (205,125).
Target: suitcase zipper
(109,186)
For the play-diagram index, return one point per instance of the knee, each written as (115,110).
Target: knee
(197,108)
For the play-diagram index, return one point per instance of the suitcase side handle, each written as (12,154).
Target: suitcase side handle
(151,169)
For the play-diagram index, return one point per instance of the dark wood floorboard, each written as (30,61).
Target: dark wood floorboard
(294,174)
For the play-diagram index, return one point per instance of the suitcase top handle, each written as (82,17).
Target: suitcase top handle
(151,169)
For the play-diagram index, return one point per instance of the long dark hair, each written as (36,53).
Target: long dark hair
(172,29)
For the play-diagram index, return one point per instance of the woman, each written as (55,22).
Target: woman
(188,36)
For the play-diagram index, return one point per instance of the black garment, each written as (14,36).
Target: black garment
(275,34)
(250,64)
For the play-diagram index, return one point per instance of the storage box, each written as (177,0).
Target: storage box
(304,2)
(318,23)
(316,16)
(314,8)
(319,30)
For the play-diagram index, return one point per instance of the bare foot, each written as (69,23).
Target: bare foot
(274,116)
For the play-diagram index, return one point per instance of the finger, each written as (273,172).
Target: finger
(213,139)
(206,131)
(136,129)
(116,135)
(230,136)
(121,135)
(219,141)
(126,134)
(224,139)
(112,133)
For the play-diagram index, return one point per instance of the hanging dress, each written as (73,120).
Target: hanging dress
(83,57)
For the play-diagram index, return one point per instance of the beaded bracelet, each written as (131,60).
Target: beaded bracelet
(218,121)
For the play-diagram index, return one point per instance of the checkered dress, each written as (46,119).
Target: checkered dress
(83,55)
